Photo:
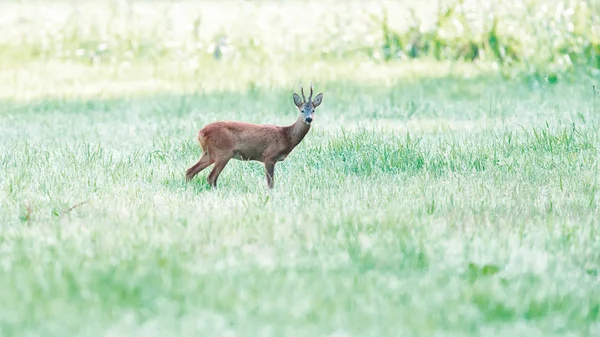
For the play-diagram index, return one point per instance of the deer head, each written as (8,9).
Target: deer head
(307,107)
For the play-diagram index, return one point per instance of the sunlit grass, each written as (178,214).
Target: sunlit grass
(372,229)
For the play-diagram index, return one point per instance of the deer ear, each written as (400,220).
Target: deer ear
(297,100)
(317,101)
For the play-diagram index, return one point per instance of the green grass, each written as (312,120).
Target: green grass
(430,198)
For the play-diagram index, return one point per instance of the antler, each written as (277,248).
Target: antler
(302,92)
(311,91)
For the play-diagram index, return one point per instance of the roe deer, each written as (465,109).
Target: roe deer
(221,141)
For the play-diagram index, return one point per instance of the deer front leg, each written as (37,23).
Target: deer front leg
(270,172)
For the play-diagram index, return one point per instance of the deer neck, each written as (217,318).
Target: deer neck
(297,131)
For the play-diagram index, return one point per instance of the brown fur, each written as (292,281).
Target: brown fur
(222,141)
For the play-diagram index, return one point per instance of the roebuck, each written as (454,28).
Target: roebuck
(221,141)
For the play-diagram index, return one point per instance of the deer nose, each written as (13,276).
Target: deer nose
(308,119)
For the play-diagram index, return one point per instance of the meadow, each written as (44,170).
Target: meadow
(441,191)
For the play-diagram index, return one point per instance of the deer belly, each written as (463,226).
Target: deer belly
(246,156)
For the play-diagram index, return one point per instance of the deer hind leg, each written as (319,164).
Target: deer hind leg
(214,174)
(203,163)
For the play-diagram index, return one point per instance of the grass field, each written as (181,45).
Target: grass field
(430,198)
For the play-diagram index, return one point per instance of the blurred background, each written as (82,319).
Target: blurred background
(538,40)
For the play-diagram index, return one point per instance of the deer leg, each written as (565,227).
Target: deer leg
(203,163)
(270,173)
(214,174)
